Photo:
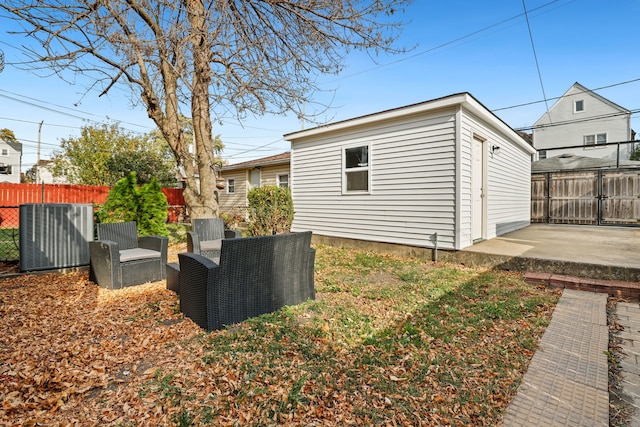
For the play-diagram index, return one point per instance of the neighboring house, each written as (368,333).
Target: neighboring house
(242,177)
(447,166)
(10,161)
(585,121)
(45,175)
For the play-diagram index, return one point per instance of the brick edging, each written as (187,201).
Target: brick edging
(616,288)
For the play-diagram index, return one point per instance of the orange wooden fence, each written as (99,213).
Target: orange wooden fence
(13,195)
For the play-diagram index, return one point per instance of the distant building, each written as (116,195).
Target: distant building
(10,161)
(242,177)
(45,174)
(581,123)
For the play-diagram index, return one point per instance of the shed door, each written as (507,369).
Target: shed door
(477,188)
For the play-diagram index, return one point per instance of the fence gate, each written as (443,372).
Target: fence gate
(600,197)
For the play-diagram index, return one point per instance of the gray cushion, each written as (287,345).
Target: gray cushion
(211,245)
(138,253)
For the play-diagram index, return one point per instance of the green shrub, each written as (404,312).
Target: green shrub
(270,210)
(122,201)
(152,210)
(146,205)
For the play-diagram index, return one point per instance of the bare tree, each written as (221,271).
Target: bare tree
(202,58)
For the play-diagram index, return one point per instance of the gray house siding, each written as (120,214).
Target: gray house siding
(420,164)
(508,185)
(562,126)
(412,181)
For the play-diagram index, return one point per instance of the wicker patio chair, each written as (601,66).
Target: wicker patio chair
(206,237)
(120,258)
(255,275)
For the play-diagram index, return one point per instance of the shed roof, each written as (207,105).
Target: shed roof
(464,99)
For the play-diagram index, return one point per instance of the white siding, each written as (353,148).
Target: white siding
(412,192)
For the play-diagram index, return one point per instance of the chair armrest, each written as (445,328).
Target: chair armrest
(155,243)
(104,264)
(193,242)
(232,234)
(196,272)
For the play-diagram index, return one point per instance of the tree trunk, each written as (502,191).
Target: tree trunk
(205,202)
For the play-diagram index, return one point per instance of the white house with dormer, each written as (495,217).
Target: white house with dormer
(583,123)
(10,161)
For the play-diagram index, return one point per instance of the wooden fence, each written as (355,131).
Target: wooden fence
(596,197)
(13,195)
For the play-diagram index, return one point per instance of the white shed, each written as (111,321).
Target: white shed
(447,166)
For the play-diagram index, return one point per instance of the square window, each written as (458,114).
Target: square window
(283,181)
(578,106)
(356,169)
(358,181)
(601,138)
(357,157)
(5,152)
(589,140)
(231,186)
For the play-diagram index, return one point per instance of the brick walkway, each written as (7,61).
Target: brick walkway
(628,316)
(567,380)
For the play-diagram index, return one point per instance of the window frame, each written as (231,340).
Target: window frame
(346,171)
(575,106)
(231,186)
(4,152)
(595,140)
(279,181)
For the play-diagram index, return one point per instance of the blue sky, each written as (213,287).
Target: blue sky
(481,47)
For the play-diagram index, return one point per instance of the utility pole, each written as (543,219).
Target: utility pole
(38,154)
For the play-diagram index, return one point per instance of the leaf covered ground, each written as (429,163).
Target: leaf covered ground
(388,341)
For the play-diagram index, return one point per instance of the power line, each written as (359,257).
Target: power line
(582,120)
(558,97)
(447,43)
(535,55)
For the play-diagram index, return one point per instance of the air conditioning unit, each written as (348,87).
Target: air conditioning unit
(55,235)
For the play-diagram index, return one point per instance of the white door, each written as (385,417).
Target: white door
(477,189)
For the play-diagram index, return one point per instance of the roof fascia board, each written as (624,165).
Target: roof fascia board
(465,99)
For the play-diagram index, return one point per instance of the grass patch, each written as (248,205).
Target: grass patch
(390,340)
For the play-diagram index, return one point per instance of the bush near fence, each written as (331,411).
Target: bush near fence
(14,195)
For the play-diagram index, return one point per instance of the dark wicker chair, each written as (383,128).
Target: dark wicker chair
(120,258)
(255,275)
(206,237)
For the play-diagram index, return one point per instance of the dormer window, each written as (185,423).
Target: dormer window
(578,106)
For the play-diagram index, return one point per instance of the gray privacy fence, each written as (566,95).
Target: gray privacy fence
(590,197)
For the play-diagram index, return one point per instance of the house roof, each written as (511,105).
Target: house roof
(573,162)
(581,90)
(464,99)
(278,159)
